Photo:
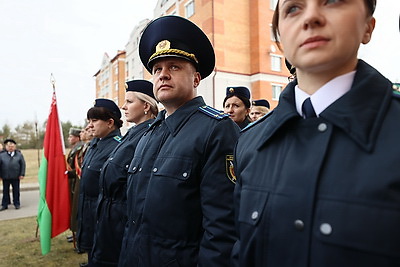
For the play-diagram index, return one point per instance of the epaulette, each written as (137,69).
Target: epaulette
(117,138)
(213,113)
(396,93)
(257,121)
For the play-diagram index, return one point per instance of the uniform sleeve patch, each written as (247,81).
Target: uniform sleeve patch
(213,113)
(230,172)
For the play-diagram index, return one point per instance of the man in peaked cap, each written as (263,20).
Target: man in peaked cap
(12,170)
(258,109)
(180,184)
(76,145)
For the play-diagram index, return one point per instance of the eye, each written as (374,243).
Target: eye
(291,9)
(332,1)
(174,67)
(156,70)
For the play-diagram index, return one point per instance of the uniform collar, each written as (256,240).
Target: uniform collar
(176,120)
(359,112)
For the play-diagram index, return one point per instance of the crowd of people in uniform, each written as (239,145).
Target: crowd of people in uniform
(312,182)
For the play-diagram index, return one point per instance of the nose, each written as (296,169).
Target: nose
(164,74)
(313,17)
(229,110)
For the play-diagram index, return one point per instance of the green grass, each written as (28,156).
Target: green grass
(19,245)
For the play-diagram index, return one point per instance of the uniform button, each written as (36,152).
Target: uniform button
(299,225)
(133,222)
(126,166)
(110,158)
(134,169)
(185,174)
(88,167)
(155,170)
(140,169)
(325,228)
(322,127)
(254,215)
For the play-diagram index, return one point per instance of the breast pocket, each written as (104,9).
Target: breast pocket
(252,206)
(173,167)
(367,228)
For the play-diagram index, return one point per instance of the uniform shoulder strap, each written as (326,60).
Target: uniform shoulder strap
(213,113)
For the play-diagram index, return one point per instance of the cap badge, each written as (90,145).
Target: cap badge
(231,90)
(163,45)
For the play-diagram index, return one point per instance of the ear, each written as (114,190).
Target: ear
(197,79)
(110,123)
(146,106)
(368,31)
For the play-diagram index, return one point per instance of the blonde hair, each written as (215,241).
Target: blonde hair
(148,99)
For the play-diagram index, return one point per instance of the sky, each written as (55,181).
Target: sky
(68,38)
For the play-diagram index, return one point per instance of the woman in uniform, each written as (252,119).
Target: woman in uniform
(140,108)
(258,109)
(318,180)
(104,120)
(237,105)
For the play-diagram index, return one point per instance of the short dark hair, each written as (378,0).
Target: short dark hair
(103,114)
(245,101)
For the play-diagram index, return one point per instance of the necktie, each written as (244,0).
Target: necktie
(308,109)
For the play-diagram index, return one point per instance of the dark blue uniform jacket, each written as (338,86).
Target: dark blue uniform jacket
(97,154)
(323,191)
(111,211)
(180,199)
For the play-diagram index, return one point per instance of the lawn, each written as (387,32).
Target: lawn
(19,245)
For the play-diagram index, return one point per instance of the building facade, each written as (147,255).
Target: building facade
(240,31)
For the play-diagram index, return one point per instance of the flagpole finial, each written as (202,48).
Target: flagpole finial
(53,81)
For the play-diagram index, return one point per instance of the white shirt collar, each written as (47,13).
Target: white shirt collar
(327,94)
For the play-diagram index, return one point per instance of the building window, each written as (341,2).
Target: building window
(276,63)
(272,4)
(276,91)
(189,9)
(116,70)
(116,86)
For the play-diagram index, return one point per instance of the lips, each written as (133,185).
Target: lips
(314,40)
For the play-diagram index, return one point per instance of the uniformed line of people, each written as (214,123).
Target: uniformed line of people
(310,184)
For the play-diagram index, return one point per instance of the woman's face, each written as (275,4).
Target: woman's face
(256,112)
(100,128)
(133,107)
(323,35)
(236,109)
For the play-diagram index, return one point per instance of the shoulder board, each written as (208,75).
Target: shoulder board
(213,113)
(257,121)
(117,138)
(396,94)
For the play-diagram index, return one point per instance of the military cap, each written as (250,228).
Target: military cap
(10,141)
(260,102)
(141,86)
(238,91)
(108,104)
(74,131)
(173,36)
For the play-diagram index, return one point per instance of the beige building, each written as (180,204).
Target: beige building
(240,32)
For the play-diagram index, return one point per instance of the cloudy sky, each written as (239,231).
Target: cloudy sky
(69,38)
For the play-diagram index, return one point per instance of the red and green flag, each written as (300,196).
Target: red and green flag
(54,202)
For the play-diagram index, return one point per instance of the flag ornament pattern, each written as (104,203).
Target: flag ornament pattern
(54,202)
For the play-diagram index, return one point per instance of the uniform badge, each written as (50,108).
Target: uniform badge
(229,168)
(163,45)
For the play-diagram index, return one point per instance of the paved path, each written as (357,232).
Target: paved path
(29,203)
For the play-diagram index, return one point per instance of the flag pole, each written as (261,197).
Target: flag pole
(53,83)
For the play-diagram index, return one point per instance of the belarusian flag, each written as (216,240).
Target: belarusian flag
(54,203)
